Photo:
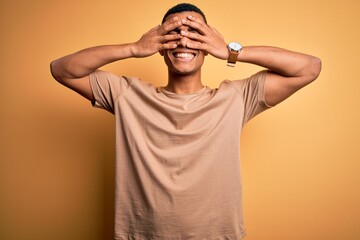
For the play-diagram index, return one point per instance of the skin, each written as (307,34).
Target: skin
(184,75)
(186,32)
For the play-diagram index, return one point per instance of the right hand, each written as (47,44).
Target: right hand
(157,39)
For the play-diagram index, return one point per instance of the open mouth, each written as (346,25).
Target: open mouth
(184,55)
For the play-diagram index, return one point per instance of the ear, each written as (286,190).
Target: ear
(161,52)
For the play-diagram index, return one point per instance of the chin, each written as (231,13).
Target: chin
(184,69)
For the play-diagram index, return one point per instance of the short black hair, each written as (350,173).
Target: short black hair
(183,7)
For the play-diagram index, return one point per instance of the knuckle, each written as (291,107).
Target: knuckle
(166,28)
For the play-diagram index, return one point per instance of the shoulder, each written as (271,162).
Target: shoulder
(249,89)
(116,83)
(104,77)
(255,81)
(241,85)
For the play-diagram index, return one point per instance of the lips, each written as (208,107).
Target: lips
(184,55)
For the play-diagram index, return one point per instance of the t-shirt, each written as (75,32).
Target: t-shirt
(178,156)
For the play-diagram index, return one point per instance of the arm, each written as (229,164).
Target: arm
(73,70)
(289,71)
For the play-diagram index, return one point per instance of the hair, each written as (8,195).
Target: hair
(183,7)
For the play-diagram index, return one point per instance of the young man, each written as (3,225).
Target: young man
(177,168)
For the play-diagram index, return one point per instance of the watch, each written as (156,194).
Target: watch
(234,50)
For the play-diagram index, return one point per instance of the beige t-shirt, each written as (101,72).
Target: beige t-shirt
(178,156)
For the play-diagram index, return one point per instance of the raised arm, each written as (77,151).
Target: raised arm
(73,70)
(288,71)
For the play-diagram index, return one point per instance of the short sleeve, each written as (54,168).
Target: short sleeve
(106,88)
(252,91)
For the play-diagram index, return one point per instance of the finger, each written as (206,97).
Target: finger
(169,45)
(197,24)
(170,25)
(196,45)
(193,35)
(170,37)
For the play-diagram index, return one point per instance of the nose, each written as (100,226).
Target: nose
(183,41)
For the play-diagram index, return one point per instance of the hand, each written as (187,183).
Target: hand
(157,39)
(205,38)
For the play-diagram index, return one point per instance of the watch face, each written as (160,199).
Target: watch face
(235,46)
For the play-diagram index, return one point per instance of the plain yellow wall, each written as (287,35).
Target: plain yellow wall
(300,160)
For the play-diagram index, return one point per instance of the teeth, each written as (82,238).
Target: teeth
(184,55)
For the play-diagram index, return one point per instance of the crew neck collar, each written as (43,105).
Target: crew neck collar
(173,94)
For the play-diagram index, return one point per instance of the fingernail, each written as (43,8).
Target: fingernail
(175,18)
(190,17)
(183,21)
(183,32)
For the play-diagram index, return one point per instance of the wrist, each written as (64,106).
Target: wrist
(234,49)
(133,49)
(242,53)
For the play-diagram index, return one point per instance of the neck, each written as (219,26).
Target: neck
(184,84)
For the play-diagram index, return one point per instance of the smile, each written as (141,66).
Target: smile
(184,56)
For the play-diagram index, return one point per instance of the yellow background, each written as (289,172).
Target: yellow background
(300,160)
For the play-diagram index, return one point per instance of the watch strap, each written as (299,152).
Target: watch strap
(232,59)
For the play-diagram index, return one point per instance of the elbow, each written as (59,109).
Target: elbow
(57,71)
(314,68)
(54,72)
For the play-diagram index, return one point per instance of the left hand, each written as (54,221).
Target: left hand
(205,38)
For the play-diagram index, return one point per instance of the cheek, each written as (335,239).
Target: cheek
(166,55)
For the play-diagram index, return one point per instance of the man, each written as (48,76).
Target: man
(177,168)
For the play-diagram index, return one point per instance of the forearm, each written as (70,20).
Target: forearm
(84,62)
(280,61)
(283,62)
